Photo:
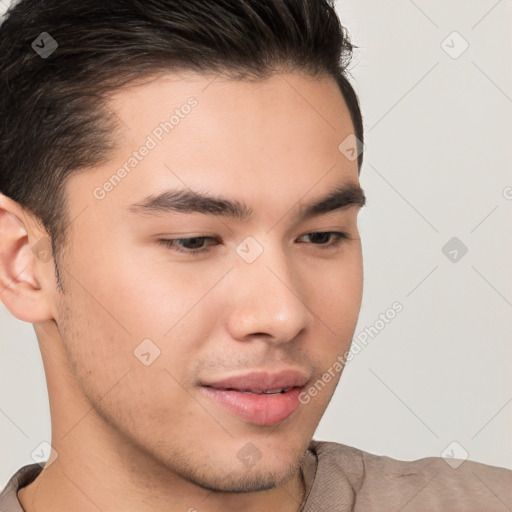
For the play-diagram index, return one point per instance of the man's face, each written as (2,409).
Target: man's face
(145,324)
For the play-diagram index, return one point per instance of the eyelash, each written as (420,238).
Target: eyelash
(171,243)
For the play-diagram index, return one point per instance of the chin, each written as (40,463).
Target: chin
(269,472)
(245,482)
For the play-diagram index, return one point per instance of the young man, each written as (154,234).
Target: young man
(178,220)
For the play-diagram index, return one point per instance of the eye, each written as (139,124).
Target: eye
(193,245)
(321,238)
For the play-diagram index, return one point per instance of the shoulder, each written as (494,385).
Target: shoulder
(9,494)
(425,484)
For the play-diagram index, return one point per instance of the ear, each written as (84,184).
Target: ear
(26,267)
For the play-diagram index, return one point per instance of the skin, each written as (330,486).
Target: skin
(143,438)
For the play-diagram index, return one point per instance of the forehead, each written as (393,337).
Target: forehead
(252,139)
(209,112)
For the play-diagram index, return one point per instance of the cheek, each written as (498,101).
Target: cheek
(128,388)
(335,294)
(145,295)
(134,311)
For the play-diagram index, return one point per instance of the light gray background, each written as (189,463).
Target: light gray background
(437,166)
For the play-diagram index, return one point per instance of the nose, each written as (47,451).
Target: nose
(268,300)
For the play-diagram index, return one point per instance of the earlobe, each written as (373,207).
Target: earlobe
(21,264)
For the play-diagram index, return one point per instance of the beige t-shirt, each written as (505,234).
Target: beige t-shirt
(340,478)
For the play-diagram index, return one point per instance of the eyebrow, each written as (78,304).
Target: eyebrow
(189,201)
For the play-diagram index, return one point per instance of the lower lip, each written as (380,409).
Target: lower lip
(261,409)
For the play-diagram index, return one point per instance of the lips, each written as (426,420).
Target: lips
(261,382)
(259,398)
